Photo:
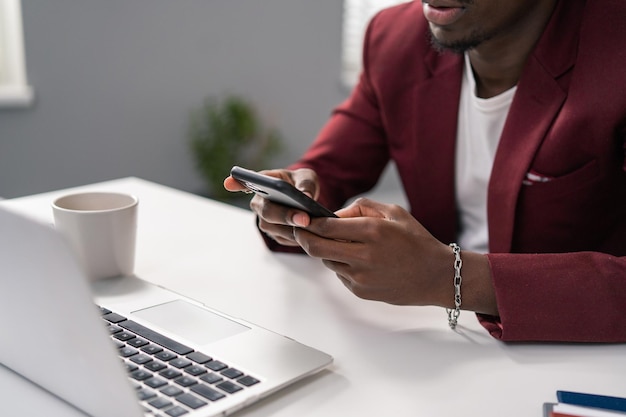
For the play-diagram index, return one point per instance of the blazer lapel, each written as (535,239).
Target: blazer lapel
(435,122)
(531,114)
(540,95)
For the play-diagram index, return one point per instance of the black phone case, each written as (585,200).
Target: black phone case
(279,191)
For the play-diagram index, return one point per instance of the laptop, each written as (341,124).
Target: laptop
(124,347)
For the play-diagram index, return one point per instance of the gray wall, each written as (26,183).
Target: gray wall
(115,81)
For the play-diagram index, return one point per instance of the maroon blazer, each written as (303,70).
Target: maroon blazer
(557,248)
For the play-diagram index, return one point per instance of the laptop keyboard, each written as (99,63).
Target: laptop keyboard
(171,379)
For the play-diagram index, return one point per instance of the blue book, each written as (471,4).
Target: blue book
(591,400)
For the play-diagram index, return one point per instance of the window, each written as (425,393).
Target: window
(14,88)
(356,16)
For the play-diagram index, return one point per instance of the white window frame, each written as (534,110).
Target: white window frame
(14,88)
(356,16)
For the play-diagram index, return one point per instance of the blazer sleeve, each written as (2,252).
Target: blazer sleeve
(568,297)
(348,155)
(350,152)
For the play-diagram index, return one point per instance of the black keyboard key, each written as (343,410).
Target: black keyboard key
(170,373)
(231,373)
(126,352)
(199,357)
(137,342)
(155,337)
(152,349)
(113,317)
(195,370)
(140,374)
(180,363)
(145,394)
(216,365)
(248,381)
(114,329)
(155,382)
(165,356)
(141,359)
(229,387)
(211,378)
(171,391)
(124,336)
(207,392)
(191,401)
(176,411)
(160,402)
(104,311)
(155,366)
(185,381)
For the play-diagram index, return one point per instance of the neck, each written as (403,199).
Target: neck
(498,62)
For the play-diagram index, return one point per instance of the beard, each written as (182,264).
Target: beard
(462,45)
(459,46)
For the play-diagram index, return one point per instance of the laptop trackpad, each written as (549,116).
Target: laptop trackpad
(194,323)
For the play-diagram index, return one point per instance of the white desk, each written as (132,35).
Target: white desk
(389,360)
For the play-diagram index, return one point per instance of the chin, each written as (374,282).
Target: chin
(443,43)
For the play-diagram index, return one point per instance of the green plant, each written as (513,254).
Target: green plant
(226,133)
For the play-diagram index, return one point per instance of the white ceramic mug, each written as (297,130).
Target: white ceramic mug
(102,228)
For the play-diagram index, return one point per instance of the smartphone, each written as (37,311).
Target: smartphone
(279,191)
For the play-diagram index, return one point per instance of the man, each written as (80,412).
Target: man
(507,123)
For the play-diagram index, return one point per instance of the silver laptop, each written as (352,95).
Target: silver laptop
(124,347)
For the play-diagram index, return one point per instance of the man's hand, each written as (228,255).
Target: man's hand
(275,220)
(381,252)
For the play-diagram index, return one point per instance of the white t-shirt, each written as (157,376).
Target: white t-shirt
(479,128)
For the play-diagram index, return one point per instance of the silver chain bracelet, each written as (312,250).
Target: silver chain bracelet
(453,314)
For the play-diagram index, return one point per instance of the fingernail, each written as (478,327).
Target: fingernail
(300,220)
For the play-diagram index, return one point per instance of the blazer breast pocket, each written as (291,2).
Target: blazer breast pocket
(537,183)
(572,212)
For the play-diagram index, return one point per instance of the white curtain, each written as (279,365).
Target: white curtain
(356,15)
(14,88)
